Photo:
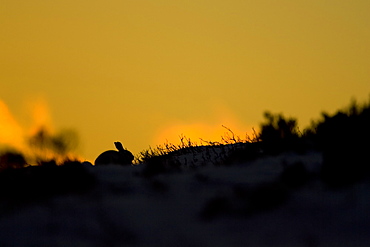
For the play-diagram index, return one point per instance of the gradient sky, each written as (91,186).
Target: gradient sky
(141,71)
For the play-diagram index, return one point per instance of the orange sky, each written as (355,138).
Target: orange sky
(138,71)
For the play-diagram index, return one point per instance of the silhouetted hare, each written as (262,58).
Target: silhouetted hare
(120,157)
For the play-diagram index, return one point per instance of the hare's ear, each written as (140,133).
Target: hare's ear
(119,146)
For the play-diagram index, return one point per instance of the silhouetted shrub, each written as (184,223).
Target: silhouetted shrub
(214,152)
(39,182)
(47,163)
(47,146)
(279,134)
(160,164)
(344,139)
(12,160)
(247,152)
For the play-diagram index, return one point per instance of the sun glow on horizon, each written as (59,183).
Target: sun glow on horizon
(143,72)
(15,137)
(41,115)
(11,133)
(200,132)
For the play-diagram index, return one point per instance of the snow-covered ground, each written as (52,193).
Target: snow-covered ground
(244,204)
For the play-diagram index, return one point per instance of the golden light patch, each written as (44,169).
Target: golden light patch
(200,132)
(41,117)
(40,142)
(11,133)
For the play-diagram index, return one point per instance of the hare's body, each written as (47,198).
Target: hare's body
(120,157)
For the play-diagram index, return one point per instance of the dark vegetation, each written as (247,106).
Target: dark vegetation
(37,183)
(60,143)
(342,137)
(48,171)
(279,134)
(12,160)
(44,148)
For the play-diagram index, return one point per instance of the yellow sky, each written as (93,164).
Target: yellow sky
(135,70)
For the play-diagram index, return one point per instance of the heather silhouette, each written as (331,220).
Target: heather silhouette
(12,160)
(59,147)
(35,183)
(275,179)
(344,139)
(279,133)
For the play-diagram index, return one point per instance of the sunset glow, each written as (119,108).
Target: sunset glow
(11,133)
(16,137)
(41,116)
(141,72)
(211,130)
